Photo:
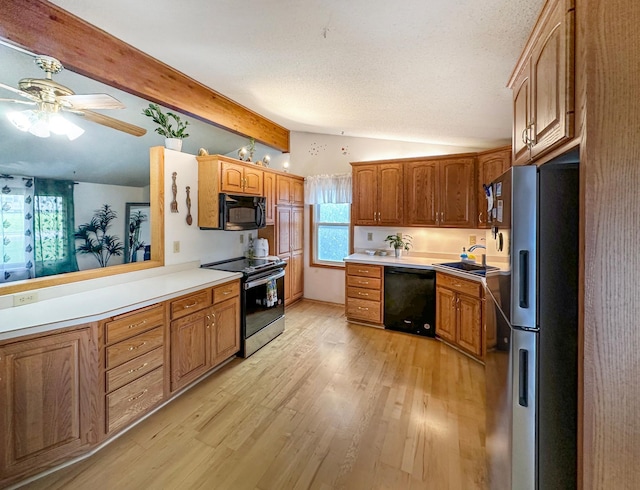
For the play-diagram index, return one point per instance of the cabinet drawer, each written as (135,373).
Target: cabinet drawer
(364,282)
(364,310)
(125,326)
(188,304)
(364,270)
(134,399)
(131,348)
(133,369)
(460,285)
(361,293)
(226,291)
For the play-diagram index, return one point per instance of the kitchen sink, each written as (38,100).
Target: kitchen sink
(469,267)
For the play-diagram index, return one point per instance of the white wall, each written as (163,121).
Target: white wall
(195,244)
(87,198)
(313,154)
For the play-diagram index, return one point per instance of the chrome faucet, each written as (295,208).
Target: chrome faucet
(484,257)
(473,247)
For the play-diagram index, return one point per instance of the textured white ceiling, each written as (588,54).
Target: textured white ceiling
(413,70)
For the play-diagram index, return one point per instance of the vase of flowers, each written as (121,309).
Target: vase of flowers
(399,242)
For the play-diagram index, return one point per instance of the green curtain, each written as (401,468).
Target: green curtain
(54,227)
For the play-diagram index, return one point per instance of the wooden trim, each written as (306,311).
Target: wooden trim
(494,150)
(157,239)
(43,27)
(419,159)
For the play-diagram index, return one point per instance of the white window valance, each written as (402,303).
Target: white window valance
(328,189)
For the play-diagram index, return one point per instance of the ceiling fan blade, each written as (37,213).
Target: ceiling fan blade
(16,101)
(21,93)
(90,101)
(113,123)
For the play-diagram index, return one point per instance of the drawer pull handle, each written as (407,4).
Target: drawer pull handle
(364,271)
(226,292)
(191,305)
(364,282)
(139,395)
(138,368)
(134,325)
(135,347)
(362,294)
(363,308)
(457,284)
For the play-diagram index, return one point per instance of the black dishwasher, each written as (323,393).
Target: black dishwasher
(410,300)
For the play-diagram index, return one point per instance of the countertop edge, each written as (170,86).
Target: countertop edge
(77,309)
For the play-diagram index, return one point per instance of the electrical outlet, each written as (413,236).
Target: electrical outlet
(176,247)
(472,239)
(25,299)
(369,237)
(241,237)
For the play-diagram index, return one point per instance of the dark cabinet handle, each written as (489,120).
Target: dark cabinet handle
(524,279)
(522,385)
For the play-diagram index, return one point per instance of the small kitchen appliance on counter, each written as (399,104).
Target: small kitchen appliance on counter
(262,308)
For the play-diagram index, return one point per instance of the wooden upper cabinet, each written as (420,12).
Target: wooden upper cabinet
(421,193)
(543,86)
(377,194)
(491,164)
(365,191)
(457,192)
(240,179)
(390,200)
(297,192)
(270,195)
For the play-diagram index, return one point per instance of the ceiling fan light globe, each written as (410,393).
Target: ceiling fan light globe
(40,128)
(20,119)
(73,131)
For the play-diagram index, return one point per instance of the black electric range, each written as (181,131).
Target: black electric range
(262,299)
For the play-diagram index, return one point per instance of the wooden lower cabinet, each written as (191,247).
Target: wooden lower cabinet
(205,338)
(48,401)
(364,287)
(459,313)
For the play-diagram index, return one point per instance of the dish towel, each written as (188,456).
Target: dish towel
(272,293)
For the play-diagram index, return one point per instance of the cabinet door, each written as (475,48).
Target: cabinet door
(469,334)
(521,116)
(47,391)
(231,178)
(224,331)
(188,348)
(446,314)
(253,180)
(490,166)
(297,229)
(551,83)
(297,275)
(457,194)
(283,223)
(390,200)
(297,192)
(421,191)
(270,194)
(288,275)
(283,190)
(365,191)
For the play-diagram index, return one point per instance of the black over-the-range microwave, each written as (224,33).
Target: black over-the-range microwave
(242,212)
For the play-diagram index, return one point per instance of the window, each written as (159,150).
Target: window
(330,234)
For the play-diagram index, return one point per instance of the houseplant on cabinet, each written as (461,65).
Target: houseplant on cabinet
(173,136)
(399,242)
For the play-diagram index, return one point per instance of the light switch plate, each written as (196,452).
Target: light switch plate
(369,237)
(176,247)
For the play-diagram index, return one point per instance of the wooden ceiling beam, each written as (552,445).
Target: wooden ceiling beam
(45,28)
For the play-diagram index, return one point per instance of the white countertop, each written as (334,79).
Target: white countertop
(97,304)
(416,262)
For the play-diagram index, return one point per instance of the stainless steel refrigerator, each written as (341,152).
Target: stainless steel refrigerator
(532,328)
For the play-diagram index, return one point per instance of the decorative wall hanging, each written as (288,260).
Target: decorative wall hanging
(189,218)
(174,191)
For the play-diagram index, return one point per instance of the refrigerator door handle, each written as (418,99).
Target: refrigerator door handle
(524,279)
(523,376)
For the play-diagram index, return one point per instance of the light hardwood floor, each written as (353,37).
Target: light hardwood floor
(326,405)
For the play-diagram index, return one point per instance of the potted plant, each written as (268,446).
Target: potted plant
(94,237)
(173,136)
(399,242)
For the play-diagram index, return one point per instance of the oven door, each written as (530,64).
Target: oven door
(263,300)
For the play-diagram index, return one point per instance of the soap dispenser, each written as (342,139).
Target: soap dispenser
(463,255)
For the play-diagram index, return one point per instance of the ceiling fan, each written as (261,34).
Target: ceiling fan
(51,98)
